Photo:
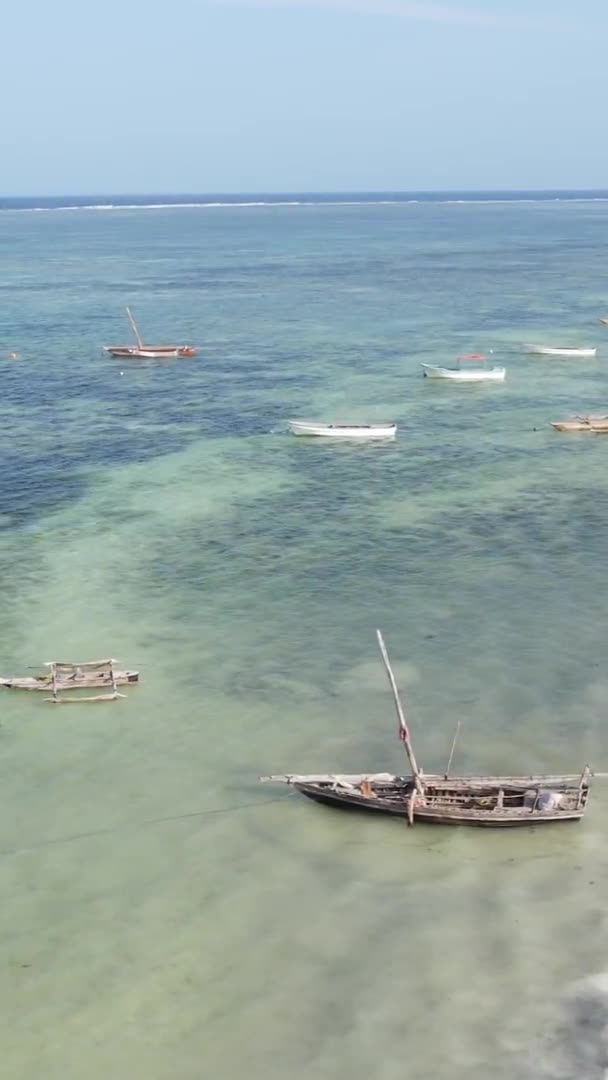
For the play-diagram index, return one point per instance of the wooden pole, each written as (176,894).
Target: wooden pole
(403,729)
(113,678)
(447,771)
(135,330)
(582,784)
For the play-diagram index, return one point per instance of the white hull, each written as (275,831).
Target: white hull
(496,374)
(598,424)
(558,350)
(128,352)
(343,431)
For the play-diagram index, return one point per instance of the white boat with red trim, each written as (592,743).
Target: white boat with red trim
(466,374)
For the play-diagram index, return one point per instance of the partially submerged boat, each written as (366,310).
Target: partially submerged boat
(489,801)
(597,424)
(560,350)
(63,676)
(141,351)
(343,431)
(466,374)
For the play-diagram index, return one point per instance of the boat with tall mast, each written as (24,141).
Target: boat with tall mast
(490,801)
(142,351)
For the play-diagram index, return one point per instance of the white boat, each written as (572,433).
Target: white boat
(150,352)
(495,374)
(597,424)
(559,350)
(343,431)
(604,321)
(141,351)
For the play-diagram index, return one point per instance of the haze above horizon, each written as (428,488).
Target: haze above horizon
(315,96)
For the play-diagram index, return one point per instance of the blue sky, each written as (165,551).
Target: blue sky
(302,95)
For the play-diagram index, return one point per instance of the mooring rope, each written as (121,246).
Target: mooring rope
(145,823)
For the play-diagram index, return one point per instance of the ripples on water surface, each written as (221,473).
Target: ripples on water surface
(158,512)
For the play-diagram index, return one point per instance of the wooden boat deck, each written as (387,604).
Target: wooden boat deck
(64,676)
(456,802)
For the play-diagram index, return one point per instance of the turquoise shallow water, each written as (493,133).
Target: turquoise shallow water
(163,915)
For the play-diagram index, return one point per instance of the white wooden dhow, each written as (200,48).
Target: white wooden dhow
(141,351)
(597,424)
(160,352)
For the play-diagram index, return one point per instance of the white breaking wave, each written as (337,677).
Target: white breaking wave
(210,205)
(105,207)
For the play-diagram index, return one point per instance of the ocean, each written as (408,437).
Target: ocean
(164,916)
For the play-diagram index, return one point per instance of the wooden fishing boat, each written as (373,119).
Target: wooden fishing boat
(63,676)
(343,431)
(559,350)
(487,801)
(468,375)
(142,351)
(150,352)
(597,424)
(490,802)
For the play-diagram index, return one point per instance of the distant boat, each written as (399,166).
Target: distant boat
(150,352)
(604,321)
(559,350)
(597,424)
(343,431)
(142,351)
(466,374)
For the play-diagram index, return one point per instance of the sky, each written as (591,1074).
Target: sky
(302,95)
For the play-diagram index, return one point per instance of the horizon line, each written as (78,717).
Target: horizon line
(307,191)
